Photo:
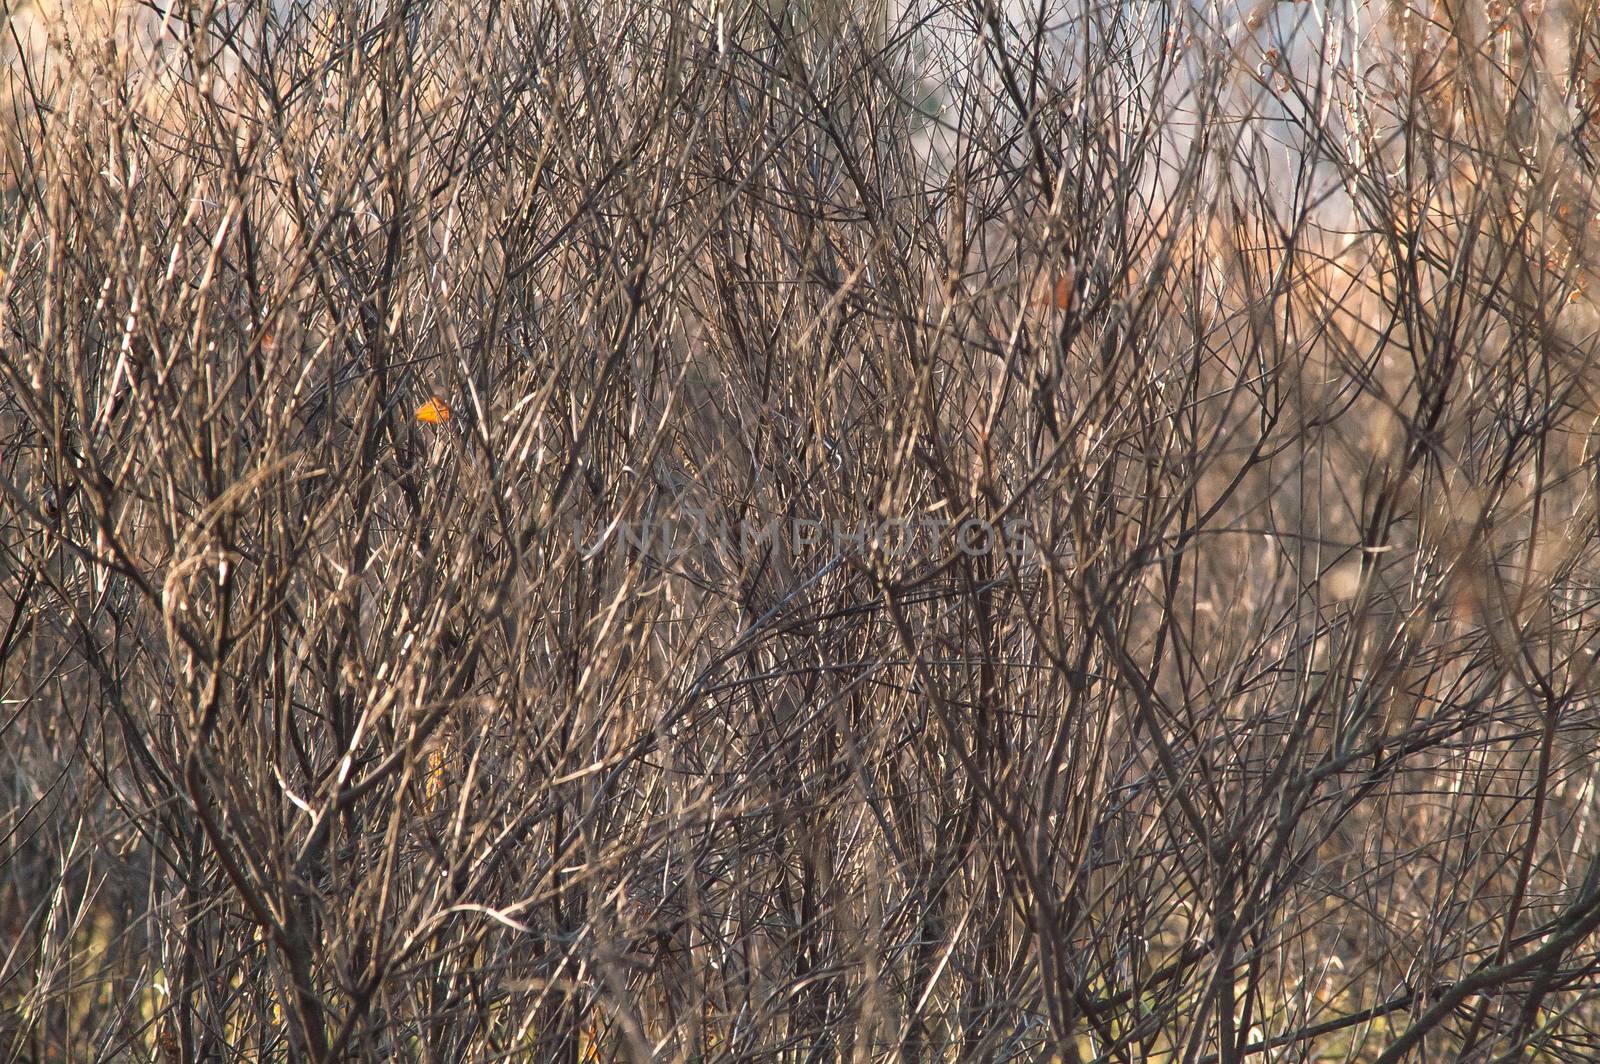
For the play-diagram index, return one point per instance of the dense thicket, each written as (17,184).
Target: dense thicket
(962,532)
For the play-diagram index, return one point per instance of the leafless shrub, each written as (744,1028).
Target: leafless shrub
(943,532)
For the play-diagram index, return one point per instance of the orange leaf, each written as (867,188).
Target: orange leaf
(1061,295)
(1058,291)
(433,412)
